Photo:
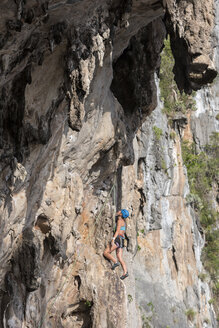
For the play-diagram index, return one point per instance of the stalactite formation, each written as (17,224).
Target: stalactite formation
(82,134)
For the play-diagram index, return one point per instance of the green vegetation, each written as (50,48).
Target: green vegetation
(216,289)
(130,298)
(172,134)
(140,232)
(139,248)
(202,276)
(206,320)
(203,175)
(158,132)
(151,306)
(148,319)
(202,169)
(88,303)
(173,100)
(190,313)
(211,301)
(145,322)
(163,165)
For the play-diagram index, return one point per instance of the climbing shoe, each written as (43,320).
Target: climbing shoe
(115,265)
(124,276)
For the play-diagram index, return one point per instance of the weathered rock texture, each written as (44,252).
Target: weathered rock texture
(77,83)
(190,24)
(167,263)
(205,120)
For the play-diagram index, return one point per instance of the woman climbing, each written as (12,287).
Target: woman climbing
(117,242)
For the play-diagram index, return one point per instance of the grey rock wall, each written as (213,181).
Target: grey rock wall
(205,121)
(166,253)
(73,150)
(195,67)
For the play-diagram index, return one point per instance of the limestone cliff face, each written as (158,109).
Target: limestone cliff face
(207,99)
(78,141)
(167,262)
(190,24)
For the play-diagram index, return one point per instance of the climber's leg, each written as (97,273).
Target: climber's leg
(119,257)
(108,251)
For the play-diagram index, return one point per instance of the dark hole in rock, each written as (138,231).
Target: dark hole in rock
(5,300)
(82,312)
(104,164)
(71,2)
(25,269)
(133,81)
(123,84)
(78,280)
(174,258)
(50,245)
(43,223)
(141,163)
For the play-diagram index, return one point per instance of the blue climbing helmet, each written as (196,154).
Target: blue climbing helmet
(125,213)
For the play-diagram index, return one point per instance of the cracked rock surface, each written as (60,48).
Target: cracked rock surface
(78,103)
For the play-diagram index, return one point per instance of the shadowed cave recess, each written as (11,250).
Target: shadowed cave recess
(78,107)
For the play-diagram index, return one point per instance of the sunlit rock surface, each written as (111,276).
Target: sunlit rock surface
(77,143)
(205,120)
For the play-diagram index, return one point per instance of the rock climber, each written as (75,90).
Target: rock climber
(117,242)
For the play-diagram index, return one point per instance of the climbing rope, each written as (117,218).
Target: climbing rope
(114,202)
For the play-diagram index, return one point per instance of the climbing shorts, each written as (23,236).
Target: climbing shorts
(119,241)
